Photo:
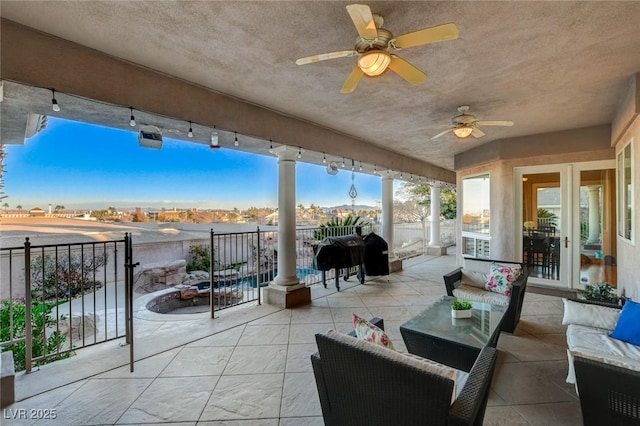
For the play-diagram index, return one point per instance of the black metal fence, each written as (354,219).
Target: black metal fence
(74,294)
(81,294)
(243,262)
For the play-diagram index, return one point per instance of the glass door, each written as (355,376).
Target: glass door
(567,223)
(595,260)
(544,223)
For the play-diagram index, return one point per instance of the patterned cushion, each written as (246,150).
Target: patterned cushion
(502,277)
(370,332)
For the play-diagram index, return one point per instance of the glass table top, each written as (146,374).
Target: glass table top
(475,331)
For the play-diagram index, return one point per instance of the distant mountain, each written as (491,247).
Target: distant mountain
(349,206)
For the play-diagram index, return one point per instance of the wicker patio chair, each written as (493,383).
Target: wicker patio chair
(454,279)
(609,395)
(360,387)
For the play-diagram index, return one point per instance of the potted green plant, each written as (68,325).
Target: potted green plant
(600,292)
(461,309)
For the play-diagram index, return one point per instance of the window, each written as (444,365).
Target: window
(476,205)
(625,192)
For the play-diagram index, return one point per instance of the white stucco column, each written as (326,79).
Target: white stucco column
(387,210)
(435,216)
(594,214)
(286,276)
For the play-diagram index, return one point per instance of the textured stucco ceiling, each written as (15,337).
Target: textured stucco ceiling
(547,66)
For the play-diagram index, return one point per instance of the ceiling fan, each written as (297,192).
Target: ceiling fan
(465,125)
(374,44)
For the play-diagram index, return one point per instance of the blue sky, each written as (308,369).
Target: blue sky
(79,165)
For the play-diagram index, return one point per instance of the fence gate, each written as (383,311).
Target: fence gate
(76,295)
(128,285)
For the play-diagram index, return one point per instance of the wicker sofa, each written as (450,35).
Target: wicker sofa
(606,371)
(360,383)
(467,282)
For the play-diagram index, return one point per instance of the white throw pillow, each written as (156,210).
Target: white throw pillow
(589,315)
(475,272)
(474,278)
(475,265)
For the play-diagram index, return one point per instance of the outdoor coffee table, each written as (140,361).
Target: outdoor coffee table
(456,342)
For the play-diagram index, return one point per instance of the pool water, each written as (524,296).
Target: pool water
(266,277)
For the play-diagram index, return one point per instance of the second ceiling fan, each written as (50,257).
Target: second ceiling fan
(374,44)
(465,125)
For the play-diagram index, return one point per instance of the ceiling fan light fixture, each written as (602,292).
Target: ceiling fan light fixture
(463,132)
(374,62)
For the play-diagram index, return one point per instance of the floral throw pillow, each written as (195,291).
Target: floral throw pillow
(370,332)
(502,277)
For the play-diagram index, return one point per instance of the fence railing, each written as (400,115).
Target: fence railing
(243,262)
(76,294)
(73,294)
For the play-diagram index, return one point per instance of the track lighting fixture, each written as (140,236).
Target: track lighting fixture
(235,143)
(54,102)
(343,162)
(270,146)
(299,152)
(353,167)
(190,134)
(375,169)
(360,168)
(324,158)
(132,119)
(214,138)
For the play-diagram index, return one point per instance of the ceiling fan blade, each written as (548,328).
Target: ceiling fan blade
(407,71)
(363,20)
(495,123)
(325,56)
(477,133)
(442,133)
(352,81)
(426,36)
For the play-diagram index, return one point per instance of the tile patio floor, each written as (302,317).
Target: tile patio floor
(251,365)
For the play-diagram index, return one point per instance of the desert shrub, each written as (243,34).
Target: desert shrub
(200,259)
(41,319)
(65,277)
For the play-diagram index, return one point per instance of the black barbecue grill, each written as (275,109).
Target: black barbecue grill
(370,254)
(376,255)
(338,253)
